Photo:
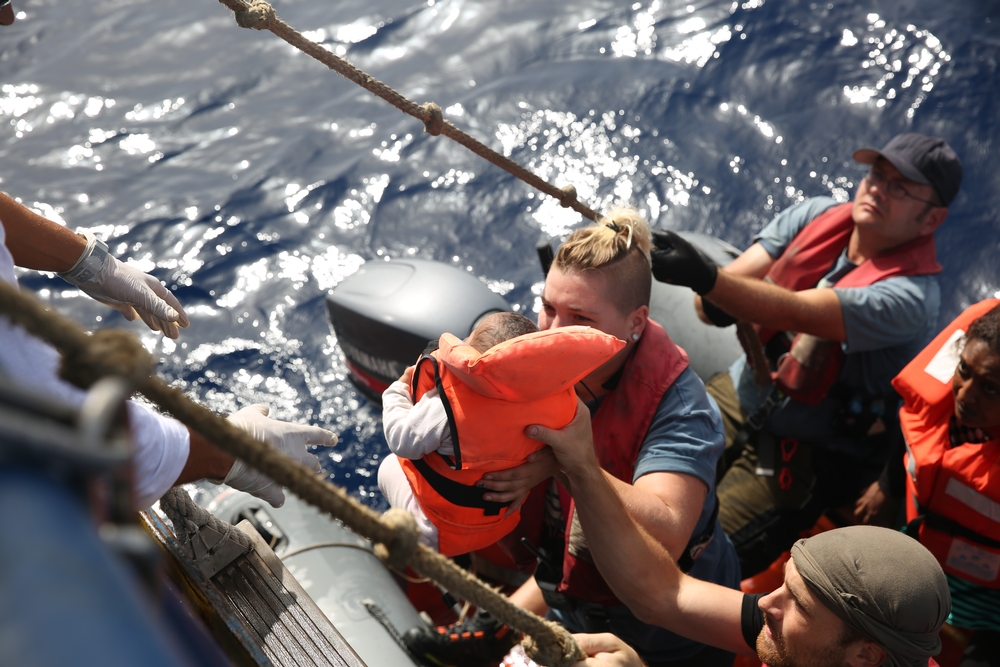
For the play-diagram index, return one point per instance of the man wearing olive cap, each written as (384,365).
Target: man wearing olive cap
(853,597)
(841,298)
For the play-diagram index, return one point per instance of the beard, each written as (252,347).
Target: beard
(773,652)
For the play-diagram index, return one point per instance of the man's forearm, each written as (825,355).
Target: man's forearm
(36,242)
(813,311)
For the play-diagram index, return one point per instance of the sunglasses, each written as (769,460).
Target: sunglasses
(894,189)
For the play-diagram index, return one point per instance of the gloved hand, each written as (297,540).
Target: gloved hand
(677,262)
(719,317)
(130,291)
(289,439)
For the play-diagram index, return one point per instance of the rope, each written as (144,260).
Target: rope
(188,517)
(259,15)
(395,535)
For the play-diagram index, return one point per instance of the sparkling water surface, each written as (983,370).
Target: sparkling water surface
(252,180)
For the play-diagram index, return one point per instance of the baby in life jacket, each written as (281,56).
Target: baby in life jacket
(463,414)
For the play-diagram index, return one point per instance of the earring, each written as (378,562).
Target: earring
(635,337)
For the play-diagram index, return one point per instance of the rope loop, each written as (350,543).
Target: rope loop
(568,197)
(256,14)
(108,352)
(401,549)
(433,120)
(564,651)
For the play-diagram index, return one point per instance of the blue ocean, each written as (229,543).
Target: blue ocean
(252,180)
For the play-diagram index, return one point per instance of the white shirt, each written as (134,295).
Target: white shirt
(413,431)
(160,444)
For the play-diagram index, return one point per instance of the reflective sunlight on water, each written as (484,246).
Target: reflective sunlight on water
(252,180)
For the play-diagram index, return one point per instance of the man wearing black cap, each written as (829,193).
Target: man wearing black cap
(853,597)
(841,298)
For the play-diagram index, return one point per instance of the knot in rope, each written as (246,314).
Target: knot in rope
(562,653)
(568,197)
(400,550)
(188,517)
(434,120)
(107,352)
(256,14)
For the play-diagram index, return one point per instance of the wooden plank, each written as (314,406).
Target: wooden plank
(337,645)
(288,614)
(256,609)
(212,606)
(243,594)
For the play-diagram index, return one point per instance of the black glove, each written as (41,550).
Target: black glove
(677,262)
(718,317)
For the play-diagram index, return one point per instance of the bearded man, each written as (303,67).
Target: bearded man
(853,597)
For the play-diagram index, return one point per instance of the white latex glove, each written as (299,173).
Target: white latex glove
(289,439)
(130,291)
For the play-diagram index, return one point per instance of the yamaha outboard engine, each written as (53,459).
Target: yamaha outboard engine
(385,314)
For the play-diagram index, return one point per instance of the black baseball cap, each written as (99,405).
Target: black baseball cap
(922,159)
(6,12)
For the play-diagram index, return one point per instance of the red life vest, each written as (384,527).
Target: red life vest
(490,398)
(955,489)
(812,364)
(620,427)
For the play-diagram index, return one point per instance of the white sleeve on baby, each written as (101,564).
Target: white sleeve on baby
(413,431)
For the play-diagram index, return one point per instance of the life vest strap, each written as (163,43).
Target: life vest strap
(943,524)
(456,463)
(457,493)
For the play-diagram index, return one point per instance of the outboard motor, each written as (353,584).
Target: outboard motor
(385,314)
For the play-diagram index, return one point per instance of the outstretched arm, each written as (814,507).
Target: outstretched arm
(651,585)
(746,297)
(206,461)
(38,243)
(811,311)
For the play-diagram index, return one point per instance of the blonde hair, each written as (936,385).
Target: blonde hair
(617,246)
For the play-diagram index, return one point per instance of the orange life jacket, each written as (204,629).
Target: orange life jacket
(953,493)
(620,427)
(490,398)
(811,366)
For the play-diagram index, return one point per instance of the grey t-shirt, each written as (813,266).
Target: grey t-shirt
(887,324)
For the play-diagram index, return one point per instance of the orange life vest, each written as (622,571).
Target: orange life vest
(490,398)
(620,427)
(953,493)
(811,366)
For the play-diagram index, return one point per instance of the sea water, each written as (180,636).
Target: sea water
(252,180)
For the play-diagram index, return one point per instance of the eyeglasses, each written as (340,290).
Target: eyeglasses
(894,189)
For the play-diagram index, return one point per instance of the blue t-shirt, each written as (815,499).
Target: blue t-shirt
(685,436)
(887,324)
